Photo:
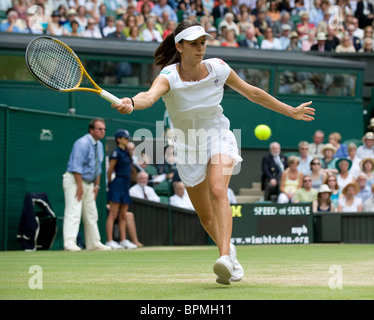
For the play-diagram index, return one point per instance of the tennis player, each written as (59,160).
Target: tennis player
(192,89)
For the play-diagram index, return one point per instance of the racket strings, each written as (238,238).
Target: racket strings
(54,64)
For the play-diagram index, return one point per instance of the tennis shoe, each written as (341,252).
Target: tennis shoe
(114,245)
(238,272)
(127,244)
(223,268)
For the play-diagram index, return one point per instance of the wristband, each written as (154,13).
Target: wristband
(97,186)
(132,102)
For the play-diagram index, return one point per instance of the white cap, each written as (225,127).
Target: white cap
(192,33)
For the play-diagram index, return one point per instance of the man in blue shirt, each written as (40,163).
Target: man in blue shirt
(81,184)
(10,25)
(162,6)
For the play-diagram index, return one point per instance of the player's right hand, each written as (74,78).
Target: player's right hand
(125,107)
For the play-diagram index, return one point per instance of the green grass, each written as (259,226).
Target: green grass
(173,273)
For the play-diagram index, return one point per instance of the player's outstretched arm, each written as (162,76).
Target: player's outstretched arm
(259,96)
(144,99)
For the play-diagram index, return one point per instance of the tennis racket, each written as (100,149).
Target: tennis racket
(57,66)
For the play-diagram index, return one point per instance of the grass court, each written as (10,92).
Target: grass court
(272,272)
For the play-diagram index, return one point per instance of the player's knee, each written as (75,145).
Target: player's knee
(218,193)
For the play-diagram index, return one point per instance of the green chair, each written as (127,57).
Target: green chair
(163,189)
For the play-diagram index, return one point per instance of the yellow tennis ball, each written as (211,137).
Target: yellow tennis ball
(262,132)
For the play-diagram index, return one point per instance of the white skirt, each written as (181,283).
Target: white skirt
(193,157)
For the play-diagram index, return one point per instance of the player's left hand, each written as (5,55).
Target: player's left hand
(304,112)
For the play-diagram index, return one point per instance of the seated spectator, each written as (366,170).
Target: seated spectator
(134,34)
(321,45)
(129,22)
(304,27)
(54,27)
(245,21)
(272,166)
(355,41)
(92,30)
(261,23)
(74,32)
(278,26)
(369,203)
(169,28)
(294,42)
(306,193)
(110,26)
(332,38)
(142,190)
(345,46)
(308,41)
(161,6)
(32,26)
(273,12)
(364,13)
(150,33)
(305,159)
(269,42)
(250,40)
(315,148)
(323,202)
(168,167)
(285,36)
(367,45)
(230,39)
(118,33)
(367,149)
(71,16)
(335,190)
(341,149)
(317,174)
(180,197)
(344,176)
(364,191)
(219,10)
(367,167)
(140,3)
(21,7)
(349,202)
(213,42)
(10,24)
(229,23)
(328,160)
(352,151)
(291,181)
(82,16)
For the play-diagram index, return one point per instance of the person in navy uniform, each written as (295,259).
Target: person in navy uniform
(120,163)
(272,167)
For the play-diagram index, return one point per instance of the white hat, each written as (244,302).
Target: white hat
(324,188)
(192,33)
(321,36)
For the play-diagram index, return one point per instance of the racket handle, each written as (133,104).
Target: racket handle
(111,98)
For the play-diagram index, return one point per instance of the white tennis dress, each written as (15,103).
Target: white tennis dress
(201,130)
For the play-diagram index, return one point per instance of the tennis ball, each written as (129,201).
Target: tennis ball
(262,132)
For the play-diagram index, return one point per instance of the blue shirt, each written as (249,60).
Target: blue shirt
(124,161)
(4,26)
(82,157)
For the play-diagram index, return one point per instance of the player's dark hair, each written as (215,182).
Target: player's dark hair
(166,53)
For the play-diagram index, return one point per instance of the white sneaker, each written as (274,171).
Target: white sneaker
(72,247)
(100,246)
(238,272)
(223,268)
(114,245)
(127,244)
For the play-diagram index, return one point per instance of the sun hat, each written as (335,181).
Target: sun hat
(321,36)
(365,160)
(192,33)
(328,146)
(122,133)
(351,184)
(343,159)
(368,136)
(324,188)
(371,124)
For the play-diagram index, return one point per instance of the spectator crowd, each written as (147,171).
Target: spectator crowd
(294,25)
(334,176)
